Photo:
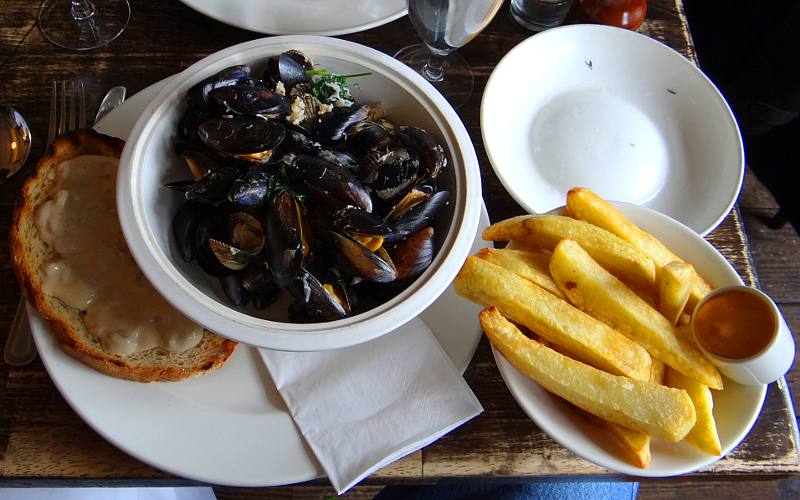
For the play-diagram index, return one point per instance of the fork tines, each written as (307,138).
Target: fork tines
(67,108)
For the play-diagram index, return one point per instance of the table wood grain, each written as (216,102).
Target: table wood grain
(43,441)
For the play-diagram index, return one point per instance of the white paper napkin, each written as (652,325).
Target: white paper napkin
(363,407)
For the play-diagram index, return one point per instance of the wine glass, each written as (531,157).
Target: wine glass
(444,26)
(83,24)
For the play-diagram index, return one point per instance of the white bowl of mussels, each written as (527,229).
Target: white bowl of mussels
(299,193)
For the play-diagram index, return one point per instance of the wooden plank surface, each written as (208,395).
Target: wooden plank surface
(43,441)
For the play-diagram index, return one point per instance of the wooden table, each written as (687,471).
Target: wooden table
(43,442)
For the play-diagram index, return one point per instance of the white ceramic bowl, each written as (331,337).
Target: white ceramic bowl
(146,208)
(736,407)
(616,112)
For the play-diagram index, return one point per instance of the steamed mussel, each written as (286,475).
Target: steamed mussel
(292,186)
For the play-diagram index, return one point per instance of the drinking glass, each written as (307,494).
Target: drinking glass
(83,24)
(444,26)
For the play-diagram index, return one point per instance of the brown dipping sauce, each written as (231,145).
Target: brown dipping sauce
(734,325)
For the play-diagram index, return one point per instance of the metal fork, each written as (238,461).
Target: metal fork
(67,113)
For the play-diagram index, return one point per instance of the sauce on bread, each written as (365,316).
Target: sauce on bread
(93,270)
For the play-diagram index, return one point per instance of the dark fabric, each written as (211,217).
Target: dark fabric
(539,491)
(749,49)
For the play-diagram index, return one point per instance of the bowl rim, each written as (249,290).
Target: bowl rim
(610,31)
(204,310)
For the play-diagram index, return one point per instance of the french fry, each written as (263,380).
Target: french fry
(533,266)
(554,319)
(675,282)
(661,411)
(594,290)
(612,252)
(703,435)
(585,205)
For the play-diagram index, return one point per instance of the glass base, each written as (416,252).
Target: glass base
(457,80)
(108,21)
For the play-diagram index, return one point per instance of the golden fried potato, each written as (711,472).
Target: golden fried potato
(585,205)
(612,252)
(554,319)
(661,411)
(675,282)
(594,290)
(531,265)
(703,435)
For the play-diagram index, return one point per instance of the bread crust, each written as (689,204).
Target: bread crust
(66,322)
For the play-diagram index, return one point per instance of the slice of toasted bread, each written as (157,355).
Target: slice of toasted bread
(29,252)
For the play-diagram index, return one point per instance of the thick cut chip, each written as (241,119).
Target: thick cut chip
(703,435)
(612,252)
(585,205)
(594,290)
(531,265)
(661,411)
(554,319)
(675,282)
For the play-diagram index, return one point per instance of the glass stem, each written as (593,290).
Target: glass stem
(82,10)
(434,68)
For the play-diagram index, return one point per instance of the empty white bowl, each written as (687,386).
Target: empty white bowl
(146,208)
(616,112)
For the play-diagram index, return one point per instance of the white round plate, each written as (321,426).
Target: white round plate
(616,112)
(308,17)
(229,427)
(735,408)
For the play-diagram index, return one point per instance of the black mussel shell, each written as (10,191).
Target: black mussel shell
(430,153)
(197,96)
(339,158)
(332,125)
(214,187)
(288,241)
(233,289)
(289,67)
(190,121)
(417,217)
(356,221)
(330,183)
(241,135)
(412,256)
(389,174)
(358,260)
(184,229)
(252,189)
(313,300)
(364,136)
(266,298)
(297,140)
(212,227)
(181,186)
(199,160)
(257,276)
(255,99)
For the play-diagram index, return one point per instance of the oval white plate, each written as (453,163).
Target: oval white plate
(229,427)
(617,112)
(735,408)
(308,17)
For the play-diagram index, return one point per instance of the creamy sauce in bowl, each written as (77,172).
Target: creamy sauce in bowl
(93,270)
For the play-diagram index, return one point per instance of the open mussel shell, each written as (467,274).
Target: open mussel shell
(199,161)
(246,233)
(313,300)
(417,217)
(431,154)
(257,277)
(289,67)
(389,174)
(329,183)
(228,255)
(339,158)
(413,255)
(252,99)
(210,228)
(288,238)
(184,229)
(198,95)
(332,126)
(421,191)
(213,188)
(298,140)
(358,260)
(250,139)
(364,136)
